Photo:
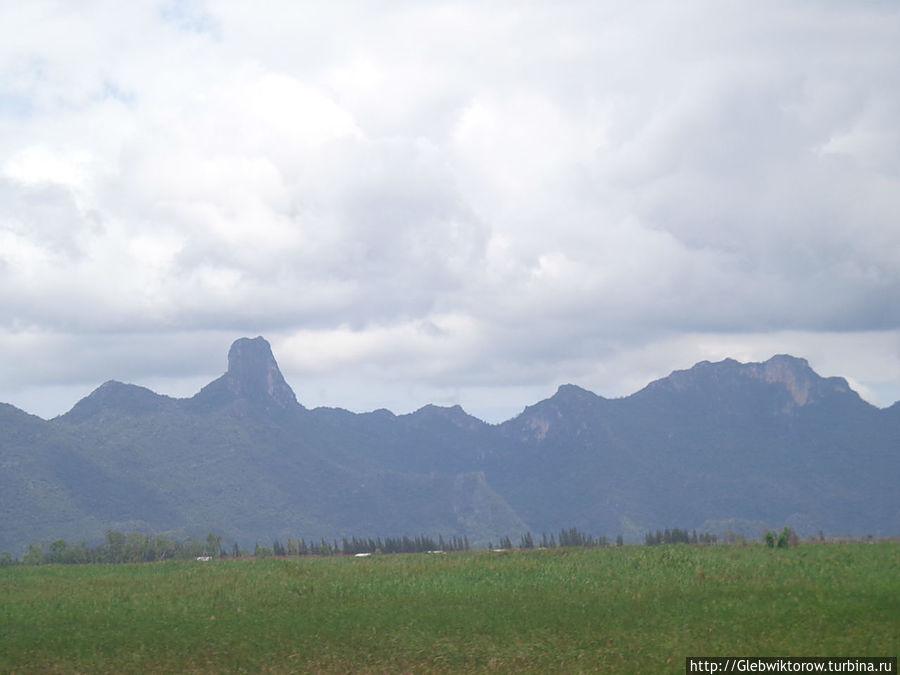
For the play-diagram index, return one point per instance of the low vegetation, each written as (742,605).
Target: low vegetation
(625,609)
(139,547)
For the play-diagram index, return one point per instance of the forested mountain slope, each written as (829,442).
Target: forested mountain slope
(719,446)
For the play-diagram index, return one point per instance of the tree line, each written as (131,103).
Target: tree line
(677,536)
(117,547)
(132,547)
(138,547)
(566,538)
(355,546)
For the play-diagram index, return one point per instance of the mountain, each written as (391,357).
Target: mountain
(253,379)
(720,446)
(744,444)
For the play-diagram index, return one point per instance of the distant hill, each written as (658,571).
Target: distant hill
(721,446)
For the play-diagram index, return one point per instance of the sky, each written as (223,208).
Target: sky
(445,202)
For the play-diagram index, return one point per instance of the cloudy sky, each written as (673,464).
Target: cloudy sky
(445,202)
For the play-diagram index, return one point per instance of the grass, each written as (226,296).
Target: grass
(629,609)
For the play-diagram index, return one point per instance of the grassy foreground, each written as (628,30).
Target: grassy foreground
(629,609)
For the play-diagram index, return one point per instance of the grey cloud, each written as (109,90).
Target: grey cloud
(477,197)
(47,215)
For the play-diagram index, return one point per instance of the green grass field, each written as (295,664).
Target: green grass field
(629,609)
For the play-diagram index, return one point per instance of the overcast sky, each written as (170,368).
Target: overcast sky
(445,202)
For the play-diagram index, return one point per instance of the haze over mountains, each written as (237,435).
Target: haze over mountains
(721,446)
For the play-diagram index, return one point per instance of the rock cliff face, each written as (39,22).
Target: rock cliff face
(253,373)
(253,378)
(795,375)
(784,384)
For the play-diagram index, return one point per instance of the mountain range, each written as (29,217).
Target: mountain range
(727,446)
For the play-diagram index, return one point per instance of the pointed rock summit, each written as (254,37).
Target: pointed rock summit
(253,376)
(253,373)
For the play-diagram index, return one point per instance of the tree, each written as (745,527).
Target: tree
(163,547)
(784,539)
(80,553)
(34,555)
(214,545)
(114,547)
(138,548)
(192,548)
(58,551)
(263,551)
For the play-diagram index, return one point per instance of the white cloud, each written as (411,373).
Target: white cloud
(459,200)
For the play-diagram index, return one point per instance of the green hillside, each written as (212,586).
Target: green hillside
(719,447)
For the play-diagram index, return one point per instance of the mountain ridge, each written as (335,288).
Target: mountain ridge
(770,442)
(227,388)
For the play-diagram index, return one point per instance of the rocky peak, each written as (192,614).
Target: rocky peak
(455,415)
(570,405)
(571,393)
(254,373)
(702,375)
(793,373)
(253,376)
